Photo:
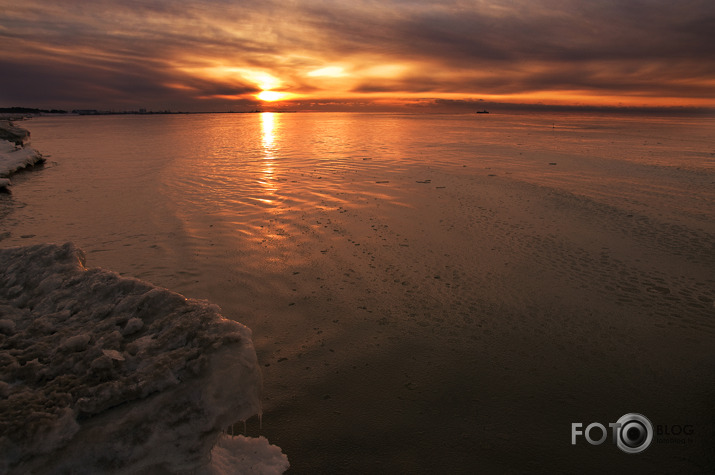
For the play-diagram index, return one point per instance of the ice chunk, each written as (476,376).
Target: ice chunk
(14,155)
(76,342)
(245,455)
(7,326)
(103,373)
(13,133)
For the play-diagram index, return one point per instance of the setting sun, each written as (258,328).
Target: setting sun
(270,96)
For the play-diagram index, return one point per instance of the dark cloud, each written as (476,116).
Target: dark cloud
(124,86)
(546,30)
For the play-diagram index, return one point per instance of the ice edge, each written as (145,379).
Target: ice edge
(104,373)
(15,155)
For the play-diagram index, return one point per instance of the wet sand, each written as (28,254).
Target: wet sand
(437,317)
(484,317)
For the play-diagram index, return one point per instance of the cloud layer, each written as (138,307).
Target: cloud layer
(219,54)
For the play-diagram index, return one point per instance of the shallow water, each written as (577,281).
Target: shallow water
(432,293)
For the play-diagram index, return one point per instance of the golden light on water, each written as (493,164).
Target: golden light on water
(267,180)
(268,123)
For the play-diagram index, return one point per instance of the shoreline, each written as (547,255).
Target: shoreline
(103,372)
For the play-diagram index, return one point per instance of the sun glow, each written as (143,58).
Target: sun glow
(330,71)
(270,96)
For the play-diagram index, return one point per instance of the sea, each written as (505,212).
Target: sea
(428,293)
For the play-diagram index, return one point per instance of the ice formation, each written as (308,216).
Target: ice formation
(14,155)
(13,133)
(100,373)
(245,455)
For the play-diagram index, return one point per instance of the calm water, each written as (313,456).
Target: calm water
(417,284)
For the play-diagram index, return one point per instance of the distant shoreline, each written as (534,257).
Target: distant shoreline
(439,107)
(20,113)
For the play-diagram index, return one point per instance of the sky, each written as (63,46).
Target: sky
(238,55)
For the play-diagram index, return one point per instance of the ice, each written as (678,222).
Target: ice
(14,154)
(13,133)
(253,455)
(100,373)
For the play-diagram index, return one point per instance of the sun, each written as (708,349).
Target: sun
(270,96)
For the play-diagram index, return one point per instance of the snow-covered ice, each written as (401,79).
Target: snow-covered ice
(239,454)
(14,154)
(102,373)
(9,131)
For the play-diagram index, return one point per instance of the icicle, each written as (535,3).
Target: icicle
(260,415)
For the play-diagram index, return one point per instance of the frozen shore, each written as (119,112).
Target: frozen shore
(15,155)
(103,374)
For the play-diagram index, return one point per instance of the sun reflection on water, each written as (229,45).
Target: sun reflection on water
(268,125)
(267,179)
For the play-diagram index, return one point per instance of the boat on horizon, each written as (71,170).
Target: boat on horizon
(483,112)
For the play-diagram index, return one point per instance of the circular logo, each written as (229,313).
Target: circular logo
(634,434)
